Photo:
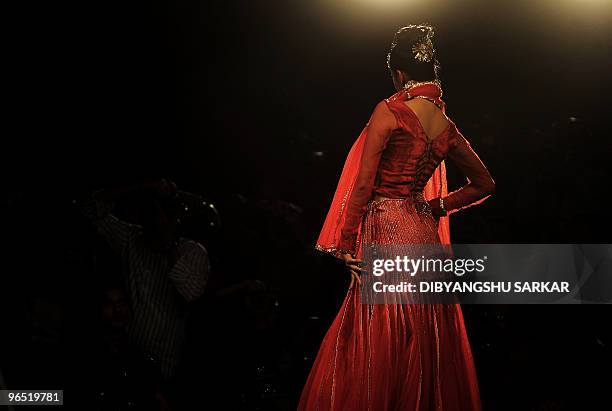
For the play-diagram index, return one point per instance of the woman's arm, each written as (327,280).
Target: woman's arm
(480,183)
(381,124)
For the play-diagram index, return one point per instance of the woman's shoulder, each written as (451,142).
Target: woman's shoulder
(395,98)
(384,113)
(392,107)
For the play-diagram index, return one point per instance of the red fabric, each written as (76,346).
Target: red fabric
(329,238)
(480,183)
(394,356)
(393,157)
(388,357)
(360,169)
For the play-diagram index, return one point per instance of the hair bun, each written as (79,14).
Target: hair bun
(413,51)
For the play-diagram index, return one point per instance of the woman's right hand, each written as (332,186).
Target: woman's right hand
(436,210)
(354,267)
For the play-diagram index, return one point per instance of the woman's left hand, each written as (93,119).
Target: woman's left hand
(354,267)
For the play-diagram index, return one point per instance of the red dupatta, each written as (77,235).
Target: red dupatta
(329,237)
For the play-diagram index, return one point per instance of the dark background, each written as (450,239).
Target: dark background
(254,105)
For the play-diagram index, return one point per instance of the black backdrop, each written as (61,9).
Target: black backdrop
(264,98)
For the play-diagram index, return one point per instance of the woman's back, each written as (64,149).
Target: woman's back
(421,139)
(432,118)
(401,152)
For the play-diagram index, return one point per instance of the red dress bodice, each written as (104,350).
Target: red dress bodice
(399,158)
(410,156)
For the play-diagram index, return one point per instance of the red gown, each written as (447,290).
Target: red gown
(384,357)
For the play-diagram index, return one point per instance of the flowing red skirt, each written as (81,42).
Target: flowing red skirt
(394,356)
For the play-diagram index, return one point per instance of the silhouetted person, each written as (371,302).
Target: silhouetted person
(163,272)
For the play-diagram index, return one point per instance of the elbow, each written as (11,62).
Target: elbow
(489,187)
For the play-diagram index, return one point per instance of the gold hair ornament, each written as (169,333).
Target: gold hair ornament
(423,50)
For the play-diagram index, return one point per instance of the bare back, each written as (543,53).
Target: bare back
(432,119)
